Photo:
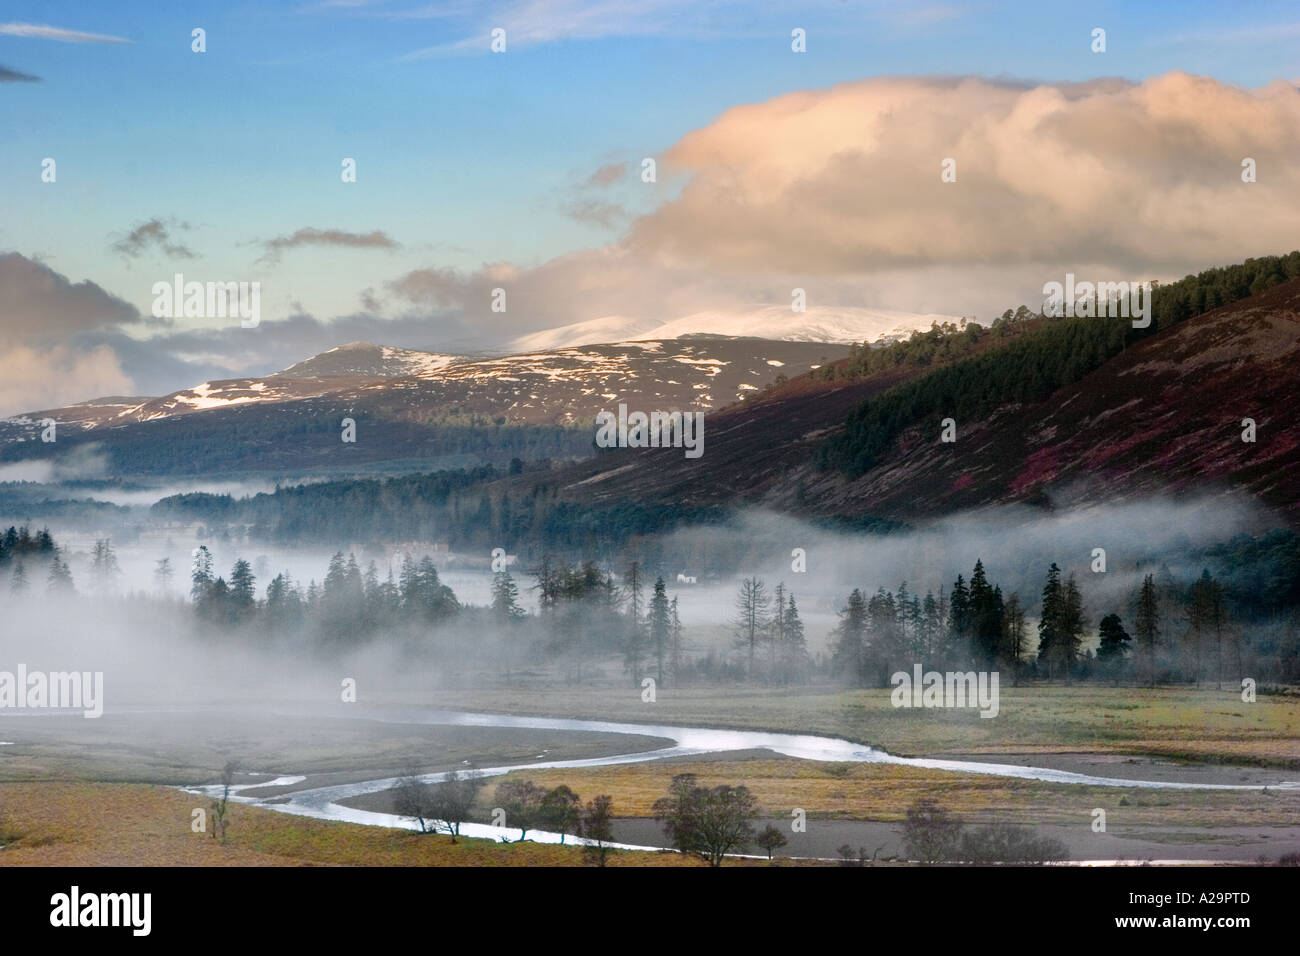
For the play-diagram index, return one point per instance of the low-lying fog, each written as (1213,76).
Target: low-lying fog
(151,648)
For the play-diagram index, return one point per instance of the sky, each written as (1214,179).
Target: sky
(522,169)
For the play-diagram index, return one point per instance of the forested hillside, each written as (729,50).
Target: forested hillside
(1028,368)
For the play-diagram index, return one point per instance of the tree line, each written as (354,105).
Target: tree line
(1180,633)
(1167,631)
(442,806)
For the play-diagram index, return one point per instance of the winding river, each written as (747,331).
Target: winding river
(325,803)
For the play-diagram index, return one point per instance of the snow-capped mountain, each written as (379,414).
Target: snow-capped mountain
(427,409)
(839,325)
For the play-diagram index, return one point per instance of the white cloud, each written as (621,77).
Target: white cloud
(44,32)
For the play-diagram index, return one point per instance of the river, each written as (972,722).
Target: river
(325,803)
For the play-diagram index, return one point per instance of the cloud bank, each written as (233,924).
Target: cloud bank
(839,191)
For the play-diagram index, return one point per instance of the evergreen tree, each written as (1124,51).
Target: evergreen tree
(1051,619)
(390,598)
(283,603)
(336,575)
(660,622)
(959,612)
(1147,627)
(978,599)
(912,620)
(676,632)
(634,651)
(243,593)
(1073,624)
(59,581)
(794,652)
(18,582)
(1206,624)
(437,599)
(409,584)
(216,606)
(375,615)
(849,657)
(1114,640)
(932,627)
(904,623)
(355,583)
(505,600)
(884,651)
(985,613)
(1014,641)
(200,575)
(341,599)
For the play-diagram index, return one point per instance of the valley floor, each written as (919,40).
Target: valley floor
(77,792)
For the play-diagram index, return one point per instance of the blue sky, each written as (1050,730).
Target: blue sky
(466,157)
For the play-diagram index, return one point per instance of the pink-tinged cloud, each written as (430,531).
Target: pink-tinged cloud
(839,191)
(847,179)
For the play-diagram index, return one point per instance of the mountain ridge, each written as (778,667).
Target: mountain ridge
(405,401)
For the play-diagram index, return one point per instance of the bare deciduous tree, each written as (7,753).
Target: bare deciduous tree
(930,834)
(438,807)
(412,798)
(220,808)
(771,839)
(597,826)
(560,811)
(707,823)
(522,801)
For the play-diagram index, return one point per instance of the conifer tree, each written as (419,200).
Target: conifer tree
(18,582)
(795,649)
(1114,640)
(660,623)
(633,650)
(200,575)
(851,635)
(1050,619)
(243,594)
(1147,627)
(676,632)
(505,599)
(60,578)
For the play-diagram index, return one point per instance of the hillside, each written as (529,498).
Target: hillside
(1164,415)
